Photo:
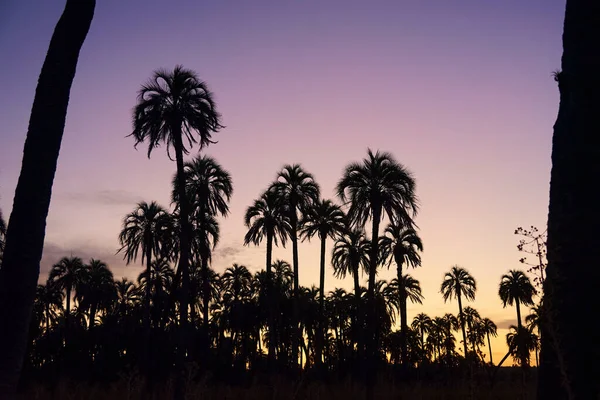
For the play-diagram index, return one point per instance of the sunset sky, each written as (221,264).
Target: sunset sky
(460,92)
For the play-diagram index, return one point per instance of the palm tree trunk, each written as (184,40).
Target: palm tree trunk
(68,316)
(490,347)
(372,318)
(296,332)
(574,217)
(403,316)
(321,322)
(24,239)
(518,306)
(184,246)
(462,323)
(270,311)
(205,296)
(148,249)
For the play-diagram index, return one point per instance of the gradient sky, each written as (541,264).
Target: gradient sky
(460,92)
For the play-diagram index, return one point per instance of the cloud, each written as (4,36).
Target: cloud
(106,197)
(227,252)
(506,323)
(54,252)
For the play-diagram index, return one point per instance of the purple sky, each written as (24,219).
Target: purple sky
(460,92)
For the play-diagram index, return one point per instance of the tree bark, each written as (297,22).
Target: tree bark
(574,217)
(27,224)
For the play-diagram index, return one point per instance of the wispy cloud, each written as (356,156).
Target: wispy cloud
(506,323)
(107,197)
(54,252)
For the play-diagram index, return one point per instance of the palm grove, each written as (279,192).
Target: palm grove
(180,311)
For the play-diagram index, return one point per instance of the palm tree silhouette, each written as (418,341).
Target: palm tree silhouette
(146,230)
(127,296)
(422,323)
(177,109)
(376,186)
(325,220)
(97,289)
(471,317)
(50,298)
(297,192)
(402,245)
(67,275)
(516,288)
(521,342)
(27,223)
(265,219)
(489,328)
(458,283)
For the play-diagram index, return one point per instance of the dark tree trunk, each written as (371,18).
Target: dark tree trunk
(403,317)
(27,224)
(518,306)
(462,323)
(574,217)
(68,316)
(296,331)
(270,311)
(490,347)
(148,289)
(319,340)
(184,246)
(371,328)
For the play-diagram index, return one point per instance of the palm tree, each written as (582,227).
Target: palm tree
(422,323)
(458,283)
(97,288)
(350,255)
(297,192)
(50,299)
(67,275)
(325,220)
(489,328)
(177,109)
(516,288)
(127,295)
(376,186)
(403,246)
(27,224)
(521,342)
(146,230)
(265,219)
(471,317)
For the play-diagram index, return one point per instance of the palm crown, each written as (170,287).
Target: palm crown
(174,105)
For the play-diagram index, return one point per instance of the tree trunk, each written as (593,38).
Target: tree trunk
(296,331)
(371,328)
(68,316)
(184,246)
(518,306)
(403,317)
(462,323)
(490,347)
(24,239)
(148,246)
(270,311)
(574,218)
(321,322)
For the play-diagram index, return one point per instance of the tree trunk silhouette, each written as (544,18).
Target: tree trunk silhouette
(461,320)
(403,316)
(574,218)
(371,341)
(490,347)
(184,246)
(270,311)
(296,331)
(27,224)
(321,320)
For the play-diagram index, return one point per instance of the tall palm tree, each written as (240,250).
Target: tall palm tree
(97,289)
(521,342)
(403,246)
(350,256)
(458,283)
(50,298)
(377,186)
(297,191)
(573,219)
(177,109)
(27,224)
(265,219)
(516,288)
(325,220)
(127,295)
(67,275)
(471,317)
(422,324)
(489,328)
(146,230)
